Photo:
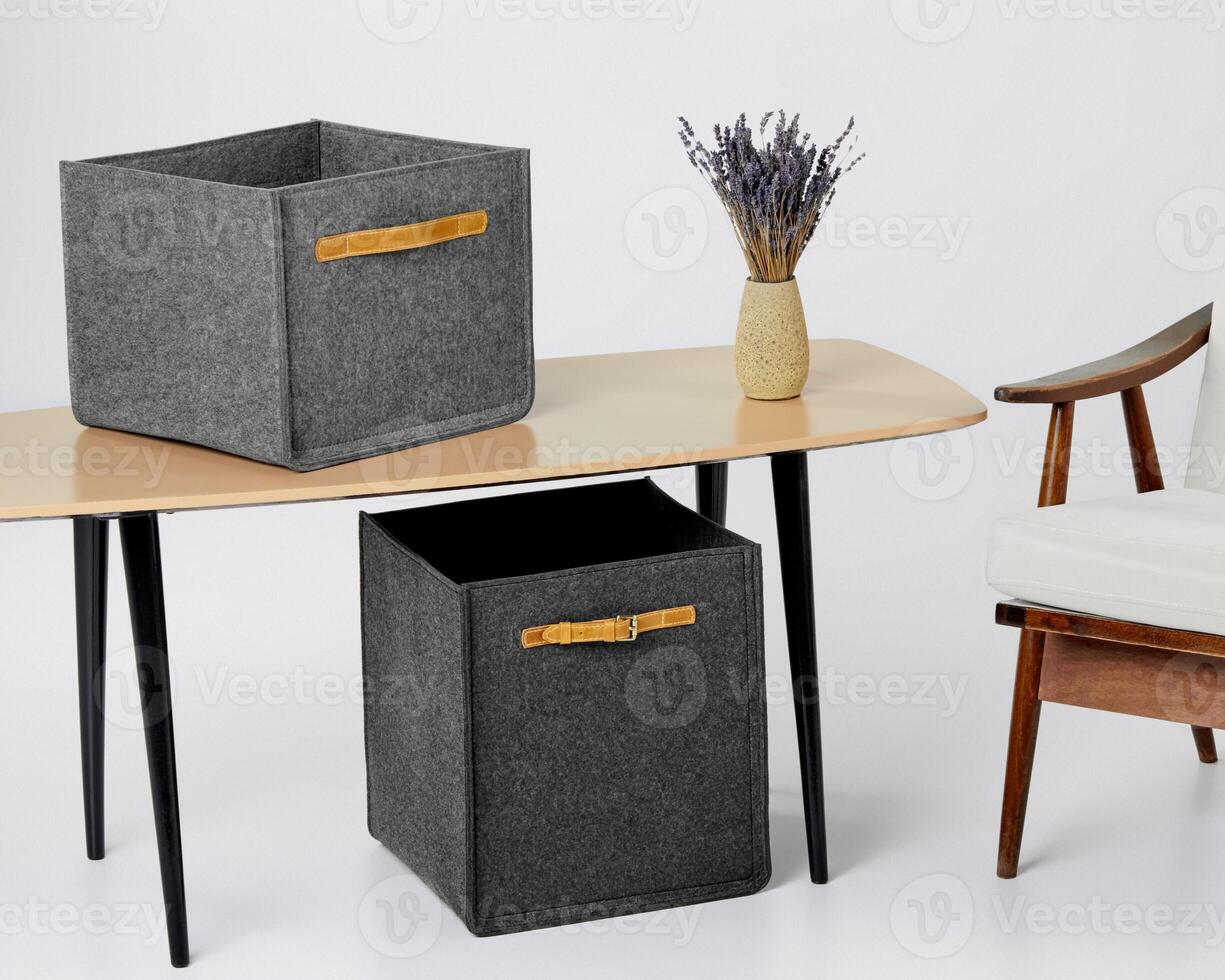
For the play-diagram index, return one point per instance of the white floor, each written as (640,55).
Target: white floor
(1043,187)
(1122,865)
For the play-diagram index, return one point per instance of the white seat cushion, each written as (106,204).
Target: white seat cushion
(1156,558)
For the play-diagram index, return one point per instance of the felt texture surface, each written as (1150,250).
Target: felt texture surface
(598,779)
(197,311)
(173,325)
(414,678)
(269,158)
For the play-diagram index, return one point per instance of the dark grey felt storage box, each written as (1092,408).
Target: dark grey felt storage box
(533,787)
(303,296)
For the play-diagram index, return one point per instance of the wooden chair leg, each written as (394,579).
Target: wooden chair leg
(1022,739)
(1205,743)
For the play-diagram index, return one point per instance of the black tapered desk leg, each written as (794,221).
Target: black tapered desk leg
(143,567)
(89,553)
(790,477)
(712,491)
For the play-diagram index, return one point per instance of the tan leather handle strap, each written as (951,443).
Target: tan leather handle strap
(619,629)
(401,238)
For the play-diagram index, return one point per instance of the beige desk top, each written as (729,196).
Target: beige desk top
(602,414)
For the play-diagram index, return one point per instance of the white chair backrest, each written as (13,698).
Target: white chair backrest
(1206,470)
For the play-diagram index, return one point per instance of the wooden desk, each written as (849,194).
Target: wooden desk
(613,413)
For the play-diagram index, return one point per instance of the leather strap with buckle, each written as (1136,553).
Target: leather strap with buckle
(618,629)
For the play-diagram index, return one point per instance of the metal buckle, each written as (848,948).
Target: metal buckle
(633,621)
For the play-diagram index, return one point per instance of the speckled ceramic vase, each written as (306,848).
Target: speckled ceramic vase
(772,341)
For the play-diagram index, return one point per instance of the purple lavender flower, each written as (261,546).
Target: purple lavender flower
(775,194)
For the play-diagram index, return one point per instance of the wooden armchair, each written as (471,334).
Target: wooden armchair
(1120,603)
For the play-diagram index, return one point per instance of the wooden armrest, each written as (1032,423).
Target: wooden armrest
(1128,369)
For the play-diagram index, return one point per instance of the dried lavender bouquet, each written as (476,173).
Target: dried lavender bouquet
(774,194)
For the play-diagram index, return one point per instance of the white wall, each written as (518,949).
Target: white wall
(1051,147)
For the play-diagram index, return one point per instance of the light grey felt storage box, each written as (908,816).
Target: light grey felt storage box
(541,785)
(304,295)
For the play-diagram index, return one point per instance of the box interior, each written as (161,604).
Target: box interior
(552,530)
(295,154)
